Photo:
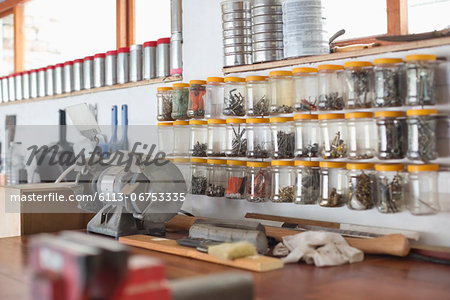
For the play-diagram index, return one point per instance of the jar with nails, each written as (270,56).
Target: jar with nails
(283,181)
(420,79)
(216,177)
(331,94)
(392,134)
(283,137)
(334,136)
(257,95)
(281,92)
(307,187)
(164,103)
(333,184)
(258,138)
(236,138)
(216,137)
(422,134)
(198,180)
(358,84)
(197,92)
(236,179)
(258,181)
(389,82)
(198,138)
(180,101)
(361,186)
(307,136)
(214,97)
(306,89)
(390,193)
(235,95)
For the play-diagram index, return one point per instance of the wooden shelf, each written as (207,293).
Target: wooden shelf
(95,90)
(340,55)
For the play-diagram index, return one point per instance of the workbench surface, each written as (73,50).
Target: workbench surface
(377,277)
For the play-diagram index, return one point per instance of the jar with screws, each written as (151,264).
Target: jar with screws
(214,97)
(361,186)
(184,165)
(392,132)
(180,100)
(258,96)
(198,181)
(234,98)
(334,136)
(307,187)
(423,196)
(307,135)
(390,192)
(258,138)
(306,89)
(236,179)
(216,177)
(283,181)
(283,137)
(164,103)
(361,135)
(181,134)
(236,138)
(333,184)
(199,138)
(389,82)
(421,134)
(281,92)
(331,95)
(165,138)
(258,181)
(197,91)
(420,79)
(216,137)
(358,84)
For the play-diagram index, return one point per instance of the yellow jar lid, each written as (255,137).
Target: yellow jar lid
(280,119)
(420,57)
(306,117)
(358,115)
(180,123)
(165,124)
(351,64)
(359,166)
(421,112)
(389,167)
(331,116)
(280,73)
(216,121)
(306,163)
(234,79)
(258,164)
(236,162)
(197,82)
(180,85)
(235,121)
(164,88)
(423,168)
(330,67)
(197,122)
(331,164)
(304,70)
(282,163)
(380,61)
(255,78)
(180,160)
(257,120)
(217,161)
(214,79)
(198,160)
(389,114)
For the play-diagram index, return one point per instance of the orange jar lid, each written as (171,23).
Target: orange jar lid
(352,64)
(280,73)
(306,117)
(307,163)
(331,116)
(423,168)
(236,162)
(164,89)
(235,121)
(197,122)
(180,85)
(330,67)
(165,124)
(180,123)
(255,78)
(389,167)
(389,114)
(421,112)
(304,70)
(198,160)
(381,61)
(258,164)
(197,82)
(359,166)
(420,57)
(258,120)
(234,79)
(216,121)
(280,119)
(358,115)
(331,164)
(214,79)
(286,163)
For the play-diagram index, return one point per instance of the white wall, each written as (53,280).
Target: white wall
(202,57)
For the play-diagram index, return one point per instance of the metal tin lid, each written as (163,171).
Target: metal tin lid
(135,47)
(163,41)
(123,50)
(88,58)
(150,44)
(68,63)
(111,52)
(99,55)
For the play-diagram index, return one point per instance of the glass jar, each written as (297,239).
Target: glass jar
(361,186)
(306,89)
(257,96)
(334,136)
(214,97)
(258,181)
(236,179)
(307,187)
(216,177)
(283,181)
(283,137)
(217,144)
(333,184)
(164,103)
(181,134)
(388,79)
(281,92)
(236,138)
(184,165)
(197,91)
(330,87)
(198,182)
(423,194)
(421,134)
(307,136)
(234,98)
(198,138)
(180,100)
(420,79)
(361,135)
(165,138)
(358,84)
(258,138)
(392,133)
(390,194)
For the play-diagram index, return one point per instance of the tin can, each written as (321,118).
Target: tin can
(11,88)
(18,85)
(68,77)
(122,64)
(99,70)
(5,89)
(1,90)
(77,74)
(49,87)
(149,60)
(176,60)
(163,57)
(26,85)
(33,84)
(41,84)
(58,79)
(135,63)
(88,72)
(110,67)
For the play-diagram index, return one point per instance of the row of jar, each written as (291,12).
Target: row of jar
(330,184)
(357,84)
(126,64)
(329,136)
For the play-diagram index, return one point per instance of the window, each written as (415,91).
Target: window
(152,20)
(6,45)
(427,15)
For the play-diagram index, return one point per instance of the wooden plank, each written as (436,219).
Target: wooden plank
(341,55)
(131,30)
(292,220)
(19,38)
(121,23)
(397,17)
(256,263)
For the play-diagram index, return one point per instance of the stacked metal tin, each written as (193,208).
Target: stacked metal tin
(236,25)
(267,30)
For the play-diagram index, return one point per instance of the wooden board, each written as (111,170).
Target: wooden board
(257,263)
